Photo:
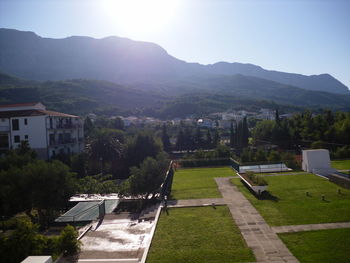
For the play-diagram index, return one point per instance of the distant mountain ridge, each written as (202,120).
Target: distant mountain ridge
(82,96)
(124,61)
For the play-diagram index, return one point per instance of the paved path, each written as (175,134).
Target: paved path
(196,202)
(309,227)
(259,236)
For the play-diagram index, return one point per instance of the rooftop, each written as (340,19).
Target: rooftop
(19,105)
(31,113)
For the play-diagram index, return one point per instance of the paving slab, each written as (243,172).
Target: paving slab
(309,227)
(259,236)
(196,202)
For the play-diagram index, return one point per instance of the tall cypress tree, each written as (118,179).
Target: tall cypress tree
(165,139)
(189,140)
(245,132)
(198,138)
(277,117)
(232,135)
(236,136)
(209,140)
(239,135)
(216,139)
(180,140)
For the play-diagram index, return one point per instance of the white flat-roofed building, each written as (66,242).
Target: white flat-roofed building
(48,132)
(38,259)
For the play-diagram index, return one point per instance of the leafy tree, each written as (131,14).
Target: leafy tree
(104,149)
(68,240)
(97,184)
(289,160)
(222,151)
(16,158)
(49,185)
(146,180)
(260,155)
(140,147)
(274,156)
(24,149)
(79,164)
(21,243)
(245,156)
(317,145)
(25,241)
(118,124)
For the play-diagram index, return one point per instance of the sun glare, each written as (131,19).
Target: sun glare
(140,16)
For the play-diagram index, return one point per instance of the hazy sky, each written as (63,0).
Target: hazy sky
(301,36)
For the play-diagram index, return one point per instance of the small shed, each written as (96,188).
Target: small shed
(317,161)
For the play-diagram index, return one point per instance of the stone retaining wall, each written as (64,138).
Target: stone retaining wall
(339,180)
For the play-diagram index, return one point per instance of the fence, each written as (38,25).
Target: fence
(204,162)
(168,181)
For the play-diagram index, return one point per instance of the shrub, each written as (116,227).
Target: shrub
(68,240)
(255,179)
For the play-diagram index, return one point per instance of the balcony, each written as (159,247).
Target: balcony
(4,128)
(66,126)
(62,142)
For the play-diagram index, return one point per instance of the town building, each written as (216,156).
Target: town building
(48,132)
(206,123)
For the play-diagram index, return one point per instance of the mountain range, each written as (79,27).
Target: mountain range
(143,73)
(122,60)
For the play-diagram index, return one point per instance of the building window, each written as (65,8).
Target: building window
(4,141)
(26,137)
(25,121)
(15,124)
(17,138)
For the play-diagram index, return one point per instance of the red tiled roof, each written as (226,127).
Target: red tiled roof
(57,114)
(29,113)
(18,105)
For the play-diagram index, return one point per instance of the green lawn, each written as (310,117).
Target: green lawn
(289,205)
(198,234)
(341,165)
(321,246)
(198,183)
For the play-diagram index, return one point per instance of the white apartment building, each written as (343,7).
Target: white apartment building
(48,132)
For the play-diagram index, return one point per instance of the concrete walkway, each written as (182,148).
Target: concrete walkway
(196,202)
(259,236)
(309,227)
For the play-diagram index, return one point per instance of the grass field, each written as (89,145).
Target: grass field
(198,183)
(200,234)
(288,203)
(341,165)
(322,246)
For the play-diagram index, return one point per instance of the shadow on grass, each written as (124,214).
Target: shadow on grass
(266,195)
